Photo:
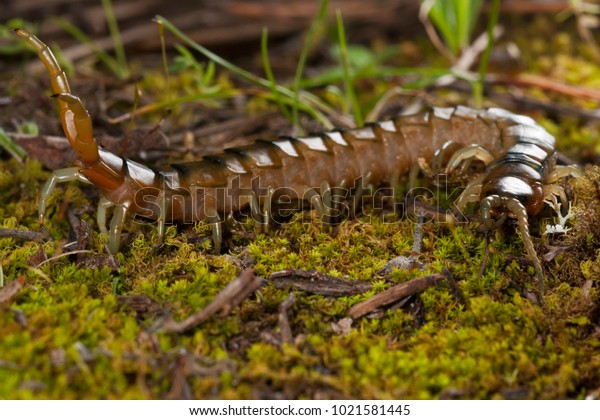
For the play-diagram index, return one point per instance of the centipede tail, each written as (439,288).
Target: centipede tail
(518,154)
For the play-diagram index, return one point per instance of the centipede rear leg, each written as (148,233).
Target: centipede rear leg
(116,227)
(103,205)
(59,176)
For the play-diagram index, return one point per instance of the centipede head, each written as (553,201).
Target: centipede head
(529,194)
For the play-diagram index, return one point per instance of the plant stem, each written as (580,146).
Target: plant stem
(113,28)
(485,57)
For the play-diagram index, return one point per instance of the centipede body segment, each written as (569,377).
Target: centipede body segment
(519,156)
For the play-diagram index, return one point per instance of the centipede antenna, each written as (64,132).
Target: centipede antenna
(521,214)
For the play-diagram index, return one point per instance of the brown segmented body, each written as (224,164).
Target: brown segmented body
(519,154)
(375,153)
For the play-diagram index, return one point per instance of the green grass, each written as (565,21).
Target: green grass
(117,64)
(11,147)
(310,103)
(455,19)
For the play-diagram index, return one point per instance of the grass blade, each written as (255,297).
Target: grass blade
(11,147)
(485,58)
(348,81)
(269,74)
(102,55)
(113,28)
(303,56)
(455,20)
(310,103)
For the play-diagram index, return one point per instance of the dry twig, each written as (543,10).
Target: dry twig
(231,296)
(284,321)
(394,294)
(26,235)
(528,80)
(312,281)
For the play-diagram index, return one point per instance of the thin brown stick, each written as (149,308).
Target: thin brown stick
(26,235)
(231,296)
(394,294)
(458,295)
(522,7)
(284,321)
(312,281)
(529,80)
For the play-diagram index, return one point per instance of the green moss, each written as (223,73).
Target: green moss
(66,335)
(488,351)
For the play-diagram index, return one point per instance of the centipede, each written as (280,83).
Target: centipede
(519,158)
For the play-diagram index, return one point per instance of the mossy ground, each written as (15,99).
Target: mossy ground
(74,331)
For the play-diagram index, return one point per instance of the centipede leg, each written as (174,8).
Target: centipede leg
(562,172)
(316,202)
(441,158)
(358,193)
(553,191)
(322,203)
(471,193)
(103,205)
(217,230)
(412,177)
(164,205)
(466,154)
(394,179)
(267,213)
(57,177)
(486,206)
(116,227)
(328,203)
(254,206)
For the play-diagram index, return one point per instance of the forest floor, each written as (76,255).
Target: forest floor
(78,322)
